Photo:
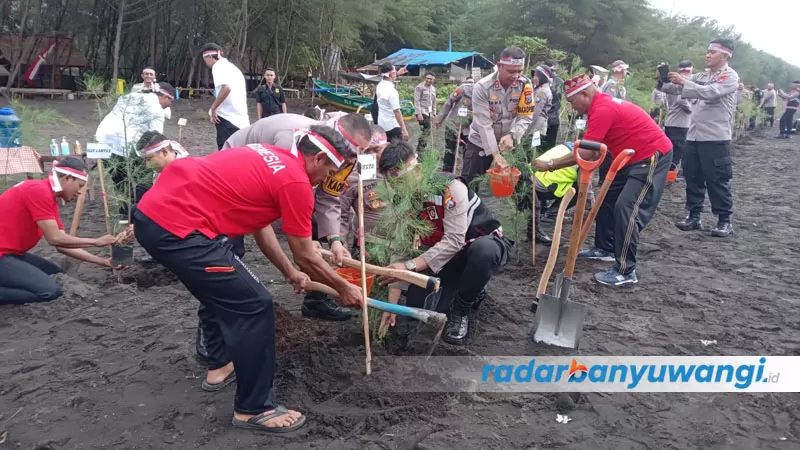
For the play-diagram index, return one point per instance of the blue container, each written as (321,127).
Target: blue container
(10,133)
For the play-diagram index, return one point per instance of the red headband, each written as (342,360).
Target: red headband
(321,143)
(166,93)
(55,184)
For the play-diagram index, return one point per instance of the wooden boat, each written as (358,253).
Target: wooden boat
(346,98)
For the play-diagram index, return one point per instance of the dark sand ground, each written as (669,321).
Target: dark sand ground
(111,364)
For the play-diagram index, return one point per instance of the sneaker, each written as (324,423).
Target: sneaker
(614,278)
(596,254)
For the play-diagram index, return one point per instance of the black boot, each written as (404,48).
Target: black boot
(320,306)
(456,329)
(723,228)
(541,236)
(690,223)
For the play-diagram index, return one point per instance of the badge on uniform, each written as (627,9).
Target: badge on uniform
(722,78)
(525,104)
(277,91)
(448,199)
(497,84)
(336,184)
(376,204)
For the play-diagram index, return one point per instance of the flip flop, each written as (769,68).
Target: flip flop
(208,387)
(257,422)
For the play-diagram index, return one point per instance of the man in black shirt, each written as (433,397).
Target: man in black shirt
(270,97)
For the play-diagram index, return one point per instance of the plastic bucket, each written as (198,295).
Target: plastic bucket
(353,276)
(672,175)
(503,182)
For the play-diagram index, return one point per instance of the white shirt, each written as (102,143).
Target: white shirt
(388,102)
(132,116)
(234,107)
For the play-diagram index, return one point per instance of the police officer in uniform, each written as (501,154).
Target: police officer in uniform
(464,250)
(679,114)
(615,86)
(425,105)
(270,98)
(456,113)
(707,157)
(792,105)
(502,111)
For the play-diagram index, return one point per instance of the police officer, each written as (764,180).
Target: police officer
(465,248)
(792,105)
(707,157)
(615,86)
(679,114)
(769,100)
(270,98)
(502,111)
(554,114)
(456,114)
(425,105)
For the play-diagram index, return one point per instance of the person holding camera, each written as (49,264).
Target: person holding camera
(707,158)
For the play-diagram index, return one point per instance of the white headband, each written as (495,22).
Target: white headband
(320,143)
(512,61)
(720,48)
(176,146)
(56,185)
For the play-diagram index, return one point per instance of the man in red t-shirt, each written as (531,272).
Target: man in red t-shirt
(184,222)
(635,192)
(29,210)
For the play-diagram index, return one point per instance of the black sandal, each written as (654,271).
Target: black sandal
(257,422)
(208,387)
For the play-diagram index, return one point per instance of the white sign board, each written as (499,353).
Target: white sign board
(181,122)
(537,139)
(580,124)
(476,73)
(463,111)
(98,151)
(369,166)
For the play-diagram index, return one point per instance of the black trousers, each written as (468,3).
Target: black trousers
(474,165)
(224,130)
(551,138)
(26,279)
(425,135)
(451,142)
(119,176)
(786,122)
(678,138)
(238,307)
(708,166)
(394,135)
(465,275)
(770,110)
(628,207)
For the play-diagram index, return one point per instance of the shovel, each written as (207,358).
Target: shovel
(551,259)
(560,321)
(417,279)
(619,162)
(433,318)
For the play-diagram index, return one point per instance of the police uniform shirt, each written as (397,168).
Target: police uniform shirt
(770,99)
(543,100)
(713,97)
(614,89)
(456,222)
(425,99)
(460,98)
(679,114)
(497,111)
(349,203)
(271,99)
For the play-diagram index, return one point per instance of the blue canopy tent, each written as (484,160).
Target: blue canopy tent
(419,60)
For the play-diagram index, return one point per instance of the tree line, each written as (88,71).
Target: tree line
(120,37)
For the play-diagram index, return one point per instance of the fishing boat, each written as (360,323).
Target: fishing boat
(348,99)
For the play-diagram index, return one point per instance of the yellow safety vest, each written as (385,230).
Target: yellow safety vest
(563,178)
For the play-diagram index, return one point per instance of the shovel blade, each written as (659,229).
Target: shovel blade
(559,322)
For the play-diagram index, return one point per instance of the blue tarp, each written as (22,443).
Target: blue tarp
(414,58)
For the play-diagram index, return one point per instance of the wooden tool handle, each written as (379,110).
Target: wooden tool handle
(551,260)
(533,221)
(574,236)
(414,278)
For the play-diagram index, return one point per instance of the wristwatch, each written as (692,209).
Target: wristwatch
(411,265)
(550,164)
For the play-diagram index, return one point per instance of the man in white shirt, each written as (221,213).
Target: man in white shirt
(388,100)
(229,110)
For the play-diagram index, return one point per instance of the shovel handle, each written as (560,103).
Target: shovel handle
(414,278)
(415,313)
(551,260)
(619,162)
(588,167)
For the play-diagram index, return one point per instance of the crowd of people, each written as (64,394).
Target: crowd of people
(193,217)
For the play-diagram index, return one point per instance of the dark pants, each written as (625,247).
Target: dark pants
(119,176)
(551,138)
(425,135)
(451,142)
(678,138)
(628,207)
(474,165)
(239,308)
(394,135)
(224,130)
(465,275)
(707,165)
(26,279)
(770,110)
(786,122)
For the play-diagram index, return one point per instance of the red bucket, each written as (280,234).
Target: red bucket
(672,175)
(353,276)
(503,182)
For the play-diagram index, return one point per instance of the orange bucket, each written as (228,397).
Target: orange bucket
(672,175)
(353,276)
(503,182)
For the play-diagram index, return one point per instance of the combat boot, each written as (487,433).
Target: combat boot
(723,228)
(456,329)
(690,223)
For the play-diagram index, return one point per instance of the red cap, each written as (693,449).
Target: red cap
(576,84)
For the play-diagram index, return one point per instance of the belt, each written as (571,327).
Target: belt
(497,232)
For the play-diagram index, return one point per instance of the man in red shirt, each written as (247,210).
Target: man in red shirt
(184,222)
(29,210)
(637,188)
